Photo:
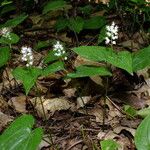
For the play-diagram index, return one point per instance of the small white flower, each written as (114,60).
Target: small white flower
(59,50)
(112,34)
(27,55)
(114,42)
(5,32)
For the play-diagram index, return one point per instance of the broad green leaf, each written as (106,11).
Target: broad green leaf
(121,59)
(54,5)
(61,24)
(94,22)
(141,59)
(50,57)
(14,38)
(19,135)
(138,1)
(4,55)
(144,112)
(7,8)
(109,145)
(102,35)
(87,9)
(52,68)
(142,135)
(15,21)
(5,2)
(34,139)
(76,24)
(25,121)
(42,44)
(28,76)
(86,71)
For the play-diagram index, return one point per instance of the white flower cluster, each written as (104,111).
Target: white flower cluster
(27,55)
(5,32)
(112,34)
(59,50)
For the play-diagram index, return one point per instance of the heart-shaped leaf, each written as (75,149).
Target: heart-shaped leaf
(121,59)
(28,76)
(14,38)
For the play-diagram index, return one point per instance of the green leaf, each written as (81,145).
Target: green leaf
(76,24)
(130,111)
(121,59)
(61,24)
(141,59)
(87,9)
(14,38)
(57,66)
(7,8)
(109,145)
(54,5)
(142,135)
(94,22)
(50,57)
(86,71)
(102,35)
(19,135)
(144,112)
(4,55)
(42,44)
(34,139)
(28,76)
(5,2)
(15,21)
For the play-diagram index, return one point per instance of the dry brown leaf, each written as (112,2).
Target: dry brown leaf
(50,105)
(101,1)
(105,136)
(4,120)
(44,143)
(82,61)
(41,88)
(3,104)
(70,92)
(19,103)
(97,79)
(98,113)
(82,101)
(8,80)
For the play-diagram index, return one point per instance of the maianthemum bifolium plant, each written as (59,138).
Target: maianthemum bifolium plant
(54,61)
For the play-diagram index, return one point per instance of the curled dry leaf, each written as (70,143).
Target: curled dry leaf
(105,136)
(50,105)
(118,130)
(19,103)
